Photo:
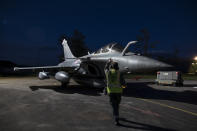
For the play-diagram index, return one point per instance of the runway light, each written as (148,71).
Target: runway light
(195,58)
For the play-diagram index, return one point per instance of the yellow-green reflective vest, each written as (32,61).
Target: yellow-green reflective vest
(113,81)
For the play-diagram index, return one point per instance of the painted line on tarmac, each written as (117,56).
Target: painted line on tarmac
(164,105)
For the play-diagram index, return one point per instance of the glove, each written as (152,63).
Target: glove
(123,87)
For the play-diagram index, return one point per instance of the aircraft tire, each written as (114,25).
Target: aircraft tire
(64,85)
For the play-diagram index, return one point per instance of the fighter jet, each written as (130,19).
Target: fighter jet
(89,69)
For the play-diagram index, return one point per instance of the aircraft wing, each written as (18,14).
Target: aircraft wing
(45,68)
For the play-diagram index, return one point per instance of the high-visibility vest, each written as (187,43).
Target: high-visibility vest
(113,81)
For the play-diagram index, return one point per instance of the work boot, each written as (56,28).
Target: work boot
(117,121)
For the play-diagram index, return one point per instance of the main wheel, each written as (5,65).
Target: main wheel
(64,85)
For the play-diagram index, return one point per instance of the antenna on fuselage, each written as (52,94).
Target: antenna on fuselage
(127,46)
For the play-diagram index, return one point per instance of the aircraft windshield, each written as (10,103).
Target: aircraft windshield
(111,46)
(117,48)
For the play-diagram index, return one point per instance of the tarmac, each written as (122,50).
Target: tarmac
(29,104)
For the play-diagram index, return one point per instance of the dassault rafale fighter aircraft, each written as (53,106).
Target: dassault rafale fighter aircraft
(89,69)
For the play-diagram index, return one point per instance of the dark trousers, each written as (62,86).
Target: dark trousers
(115,99)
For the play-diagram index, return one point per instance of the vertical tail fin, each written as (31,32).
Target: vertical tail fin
(67,51)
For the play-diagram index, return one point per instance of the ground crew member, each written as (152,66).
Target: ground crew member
(114,89)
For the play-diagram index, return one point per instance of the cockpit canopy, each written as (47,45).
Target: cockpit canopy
(112,46)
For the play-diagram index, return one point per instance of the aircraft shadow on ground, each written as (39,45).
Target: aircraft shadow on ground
(70,89)
(143,90)
(141,126)
(136,89)
(190,85)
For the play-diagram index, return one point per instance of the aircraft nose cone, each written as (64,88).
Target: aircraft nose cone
(155,64)
(162,65)
(145,64)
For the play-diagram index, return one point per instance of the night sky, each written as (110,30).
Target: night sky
(29,30)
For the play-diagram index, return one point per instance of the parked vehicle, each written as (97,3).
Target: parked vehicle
(169,78)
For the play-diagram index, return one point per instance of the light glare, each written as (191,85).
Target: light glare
(195,58)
